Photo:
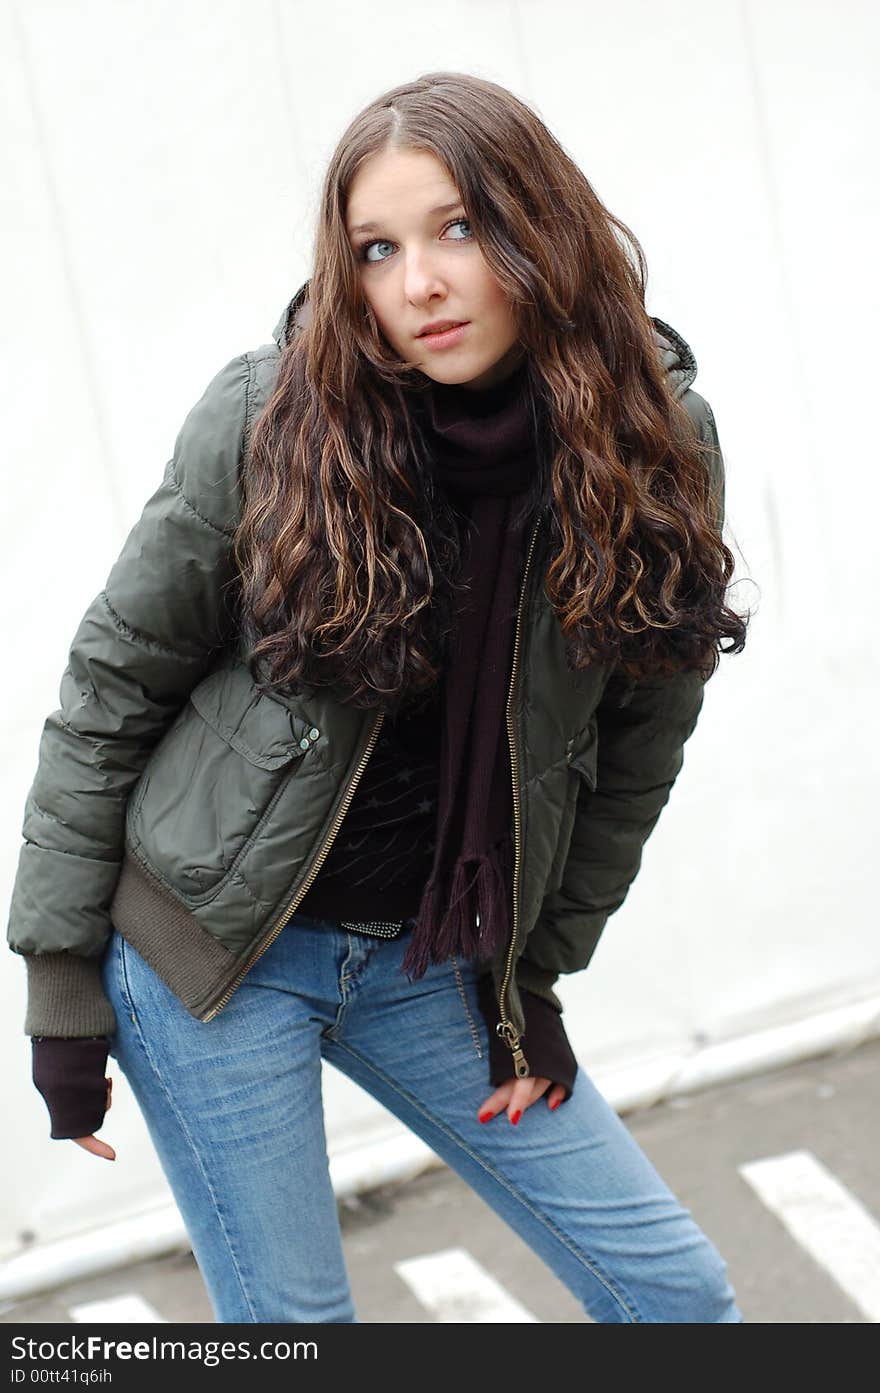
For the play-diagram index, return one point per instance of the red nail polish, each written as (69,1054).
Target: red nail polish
(516,1117)
(486,1116)
(554,1106)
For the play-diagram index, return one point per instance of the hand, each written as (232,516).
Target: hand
(92,1144)
(515,1095)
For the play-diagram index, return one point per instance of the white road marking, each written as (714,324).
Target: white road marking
(455,1288)
(116,1310)
(832,1225)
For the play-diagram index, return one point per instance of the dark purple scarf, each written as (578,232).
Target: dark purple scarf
(483,455)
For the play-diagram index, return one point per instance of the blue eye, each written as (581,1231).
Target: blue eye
(374,261)
(458,223)
(365,248)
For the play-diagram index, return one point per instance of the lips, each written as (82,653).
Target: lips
(440,327)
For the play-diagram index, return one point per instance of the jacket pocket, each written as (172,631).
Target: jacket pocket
(583,753)
(581,757)
(212,782)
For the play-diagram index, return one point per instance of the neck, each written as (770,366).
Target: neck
(499,373)
(483,401)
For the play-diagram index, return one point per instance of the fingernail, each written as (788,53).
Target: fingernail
(554,1106)
(486,1116)
(516,1116)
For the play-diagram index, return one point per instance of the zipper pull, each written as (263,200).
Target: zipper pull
(511,1039)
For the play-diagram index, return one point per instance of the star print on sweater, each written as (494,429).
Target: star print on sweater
(382,857)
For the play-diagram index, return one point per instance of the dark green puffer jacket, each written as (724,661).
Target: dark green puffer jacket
(175,802)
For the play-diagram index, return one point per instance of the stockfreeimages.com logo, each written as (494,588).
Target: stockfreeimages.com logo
(95,1348)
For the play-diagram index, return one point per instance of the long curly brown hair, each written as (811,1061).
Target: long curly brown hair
(347,555)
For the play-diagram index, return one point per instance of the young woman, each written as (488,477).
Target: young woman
(360,744)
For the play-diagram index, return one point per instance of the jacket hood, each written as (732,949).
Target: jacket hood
(676,354)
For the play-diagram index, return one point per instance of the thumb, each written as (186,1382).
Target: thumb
(96,1147)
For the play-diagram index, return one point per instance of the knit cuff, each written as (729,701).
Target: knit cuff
(544,1041)
(66,996)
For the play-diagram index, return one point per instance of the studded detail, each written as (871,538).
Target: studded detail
(378,928)
(314,733)
(304,743)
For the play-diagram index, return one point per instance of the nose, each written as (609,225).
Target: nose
(422,281)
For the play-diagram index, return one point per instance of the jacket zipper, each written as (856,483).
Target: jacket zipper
(313,871)
(505,1028)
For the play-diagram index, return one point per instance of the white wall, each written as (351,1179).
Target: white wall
(159,170)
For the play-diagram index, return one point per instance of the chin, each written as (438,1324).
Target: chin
(451,378)
(456,374)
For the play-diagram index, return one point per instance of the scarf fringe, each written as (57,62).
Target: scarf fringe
(479,887)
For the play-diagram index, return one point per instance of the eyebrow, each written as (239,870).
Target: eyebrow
(432,212)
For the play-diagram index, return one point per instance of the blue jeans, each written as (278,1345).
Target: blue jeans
(234,1110)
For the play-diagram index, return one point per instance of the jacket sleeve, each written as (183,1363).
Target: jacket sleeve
(142,645)
(642,729)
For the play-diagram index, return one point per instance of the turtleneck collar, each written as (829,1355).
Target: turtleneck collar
(481,440)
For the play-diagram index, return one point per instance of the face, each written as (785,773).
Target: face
(419,263)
